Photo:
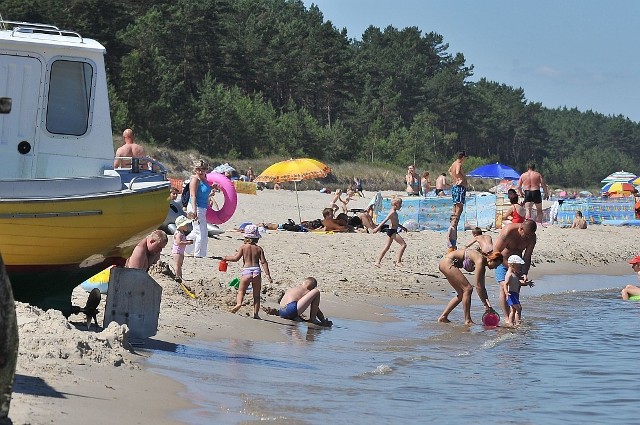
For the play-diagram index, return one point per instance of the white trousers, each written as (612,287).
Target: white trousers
(199,235)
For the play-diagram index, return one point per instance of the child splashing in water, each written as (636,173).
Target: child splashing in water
(252,256)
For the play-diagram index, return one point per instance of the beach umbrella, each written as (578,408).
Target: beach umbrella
(617,187)
(495,171)
(224,168)
(619,176)
(503,186)
(294,170)
(635,182)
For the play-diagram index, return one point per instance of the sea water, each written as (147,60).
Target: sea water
(572,361)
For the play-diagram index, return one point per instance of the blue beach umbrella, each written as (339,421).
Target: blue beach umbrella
(494,171)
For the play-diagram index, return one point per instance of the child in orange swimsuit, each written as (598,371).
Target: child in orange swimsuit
(252,256)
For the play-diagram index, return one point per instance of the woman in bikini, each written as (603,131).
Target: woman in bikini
(469,260)
(252,256)
(413,181)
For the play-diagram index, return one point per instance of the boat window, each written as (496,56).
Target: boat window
(5,105)
(69,97)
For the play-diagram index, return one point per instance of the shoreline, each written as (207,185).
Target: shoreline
(71,375)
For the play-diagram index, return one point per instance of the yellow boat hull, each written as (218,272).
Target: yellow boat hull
(49,246)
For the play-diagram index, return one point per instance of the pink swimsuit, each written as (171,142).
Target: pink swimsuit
(178,248)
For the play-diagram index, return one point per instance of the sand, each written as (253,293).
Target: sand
(67,374)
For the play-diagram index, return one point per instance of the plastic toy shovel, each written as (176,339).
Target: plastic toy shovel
(491,318)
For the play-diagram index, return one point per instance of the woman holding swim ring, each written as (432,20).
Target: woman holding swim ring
(470,260)
(199,191)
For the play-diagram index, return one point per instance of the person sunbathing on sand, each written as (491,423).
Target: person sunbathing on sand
(298,299)
(331,224)
(367,218)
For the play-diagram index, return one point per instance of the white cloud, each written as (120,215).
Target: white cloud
(546,71)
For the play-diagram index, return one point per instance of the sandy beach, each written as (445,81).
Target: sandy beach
(69,375)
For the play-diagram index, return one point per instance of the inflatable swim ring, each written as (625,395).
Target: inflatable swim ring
(230,199)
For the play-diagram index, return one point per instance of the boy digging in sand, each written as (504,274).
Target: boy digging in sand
(298,299)
(392,232)
(252,256)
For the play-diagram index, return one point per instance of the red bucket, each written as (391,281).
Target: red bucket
(222,266)
(491,318)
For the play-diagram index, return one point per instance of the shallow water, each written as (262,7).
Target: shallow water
(569,362)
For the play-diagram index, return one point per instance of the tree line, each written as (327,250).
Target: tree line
(250,78)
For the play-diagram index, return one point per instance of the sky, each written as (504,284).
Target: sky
(581,54)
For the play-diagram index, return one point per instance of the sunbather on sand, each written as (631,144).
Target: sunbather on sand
(331,224)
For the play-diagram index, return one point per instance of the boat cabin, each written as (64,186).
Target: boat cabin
(54,108)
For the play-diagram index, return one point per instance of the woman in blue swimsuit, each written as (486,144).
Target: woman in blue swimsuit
(413,181)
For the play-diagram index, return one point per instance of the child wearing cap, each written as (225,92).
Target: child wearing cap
(252,256)
(180,242)
(631,290)
(513,282)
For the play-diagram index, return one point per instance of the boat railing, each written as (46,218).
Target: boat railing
(30,28)
(138,164)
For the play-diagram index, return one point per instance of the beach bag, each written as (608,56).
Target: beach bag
(184,198)
(355,221)
(291,226)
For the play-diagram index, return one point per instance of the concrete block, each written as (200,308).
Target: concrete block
(133,299)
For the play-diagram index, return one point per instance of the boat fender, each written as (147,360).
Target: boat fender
(230,199)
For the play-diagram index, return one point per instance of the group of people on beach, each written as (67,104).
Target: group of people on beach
(509,256)
(421,185)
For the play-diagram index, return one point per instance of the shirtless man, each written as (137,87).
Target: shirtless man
(514,239)
(459,184)
(529,186)
(298,299)
(129,149)
(441,183)
(331,224)
(147,252)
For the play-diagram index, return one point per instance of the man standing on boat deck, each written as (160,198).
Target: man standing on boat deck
(129,149)
(514,239)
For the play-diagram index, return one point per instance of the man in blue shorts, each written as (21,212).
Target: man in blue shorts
(514,239)
(459,184)
(297,299)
